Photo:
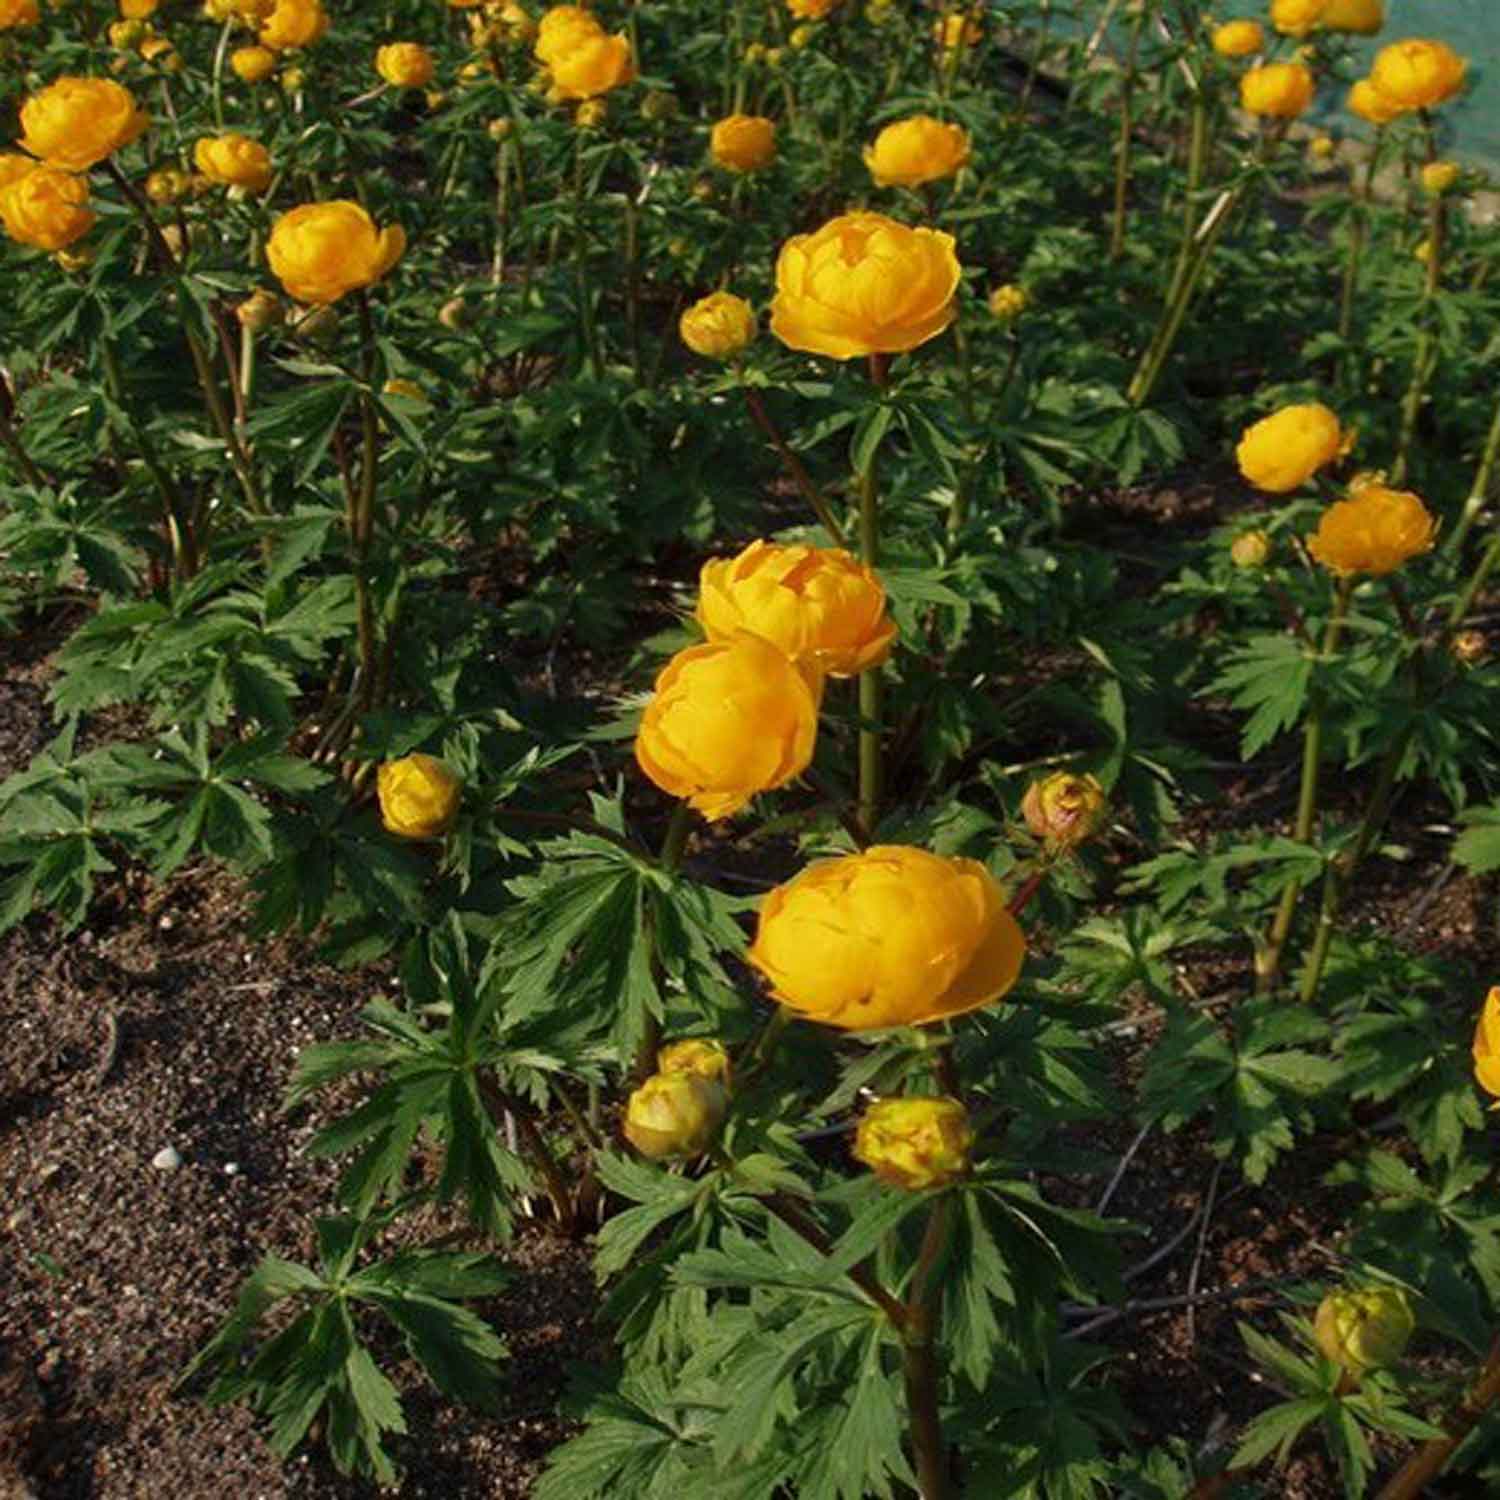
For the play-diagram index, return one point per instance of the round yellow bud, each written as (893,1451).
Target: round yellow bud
(706,1057)
(1063,809)
(1363,1331)
(915,1143)
(1239,39)
(893,936)
(910,152)
(956,31)
(234,160)
(729,719)
(718,326)
(675,1114)
(419,796)
(1374,532)
(1470,647)
(1439,177)
(260,312)
(817,604)
(1284,450)
(774,56)
(591,114)
(252,64)
(1008,302)
(499,128)
(801,37)
(755,53)
(1250,549)
(405,65)
(127,35)
(1279,90)
(743,143)
(1321,147)
(167,184)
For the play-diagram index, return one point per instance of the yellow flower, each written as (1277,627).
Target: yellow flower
(1363,16)
(1008,302)
(1366,101)
(921,149)
(1063,809)
(591,114)
(1239,39)
(322,250)
(252,64)
(1438,177)
(1375,532)
(817,604)
(405,65)
(864,284)
(1423,251)
(705,1057)
(1321,147)
(13,167)
(46,208)
(1487,1043)
(1296,17)
(894,936)
(1417,74)
(167,184)
(1250,549)
(138,10)
(675,1114)
(126,35)
(561,29)
(811,10)
(1363,1331)
(158,50)
(743,143)
(1470,647)
(1284,450)
(15,13)
(957,30)
(77,122)
(718,326)
(294,23)
(419,796)
(1282,90)
(593,67)
(915,1143)
(802,37)
(729,719)
(234,160)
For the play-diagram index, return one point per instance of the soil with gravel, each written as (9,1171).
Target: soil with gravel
(160,1025)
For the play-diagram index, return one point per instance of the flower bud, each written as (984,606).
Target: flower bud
(1008,302)
(1063,809)
(293,80)
(743,143)
(499,128)
(260,311)
(419,796)
(675,1114)
(659,105)
(167,184)
(755,53)
(74,260)
(915,1143)
(1321,147)
(454,314)
(718,326)
(1470,647)
(1439,177)
(128,35)
(1250,549)
(1279,90)
(802,36)
(706,1057)
(1365,1330)
(252,64)
(591,114)
(774,56)
(1238,39)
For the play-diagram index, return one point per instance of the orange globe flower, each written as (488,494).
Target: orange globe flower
(405,65)
(1417,74)
(915,1143)
(235,161)
(1363,17)
(419,796)
(1487,1046)
(894,936)
(921,149)
(743,143)
(323,250)
(1286,449)
(864,284)
(17,13)
(1374,531)
(1279,90)
(294,23)
(46,208)
(1239,39)
(593,66)
(1366,101)
(718,326)
(76,122)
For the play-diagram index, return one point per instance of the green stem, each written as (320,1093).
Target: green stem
(673,847)
(1268,961)
(1357,232)
(919,1357)
(1422,365)
(1479,494)
(580,262)
(803,480)
(1197,163)
(871,682)
(1122,149)
(12,440)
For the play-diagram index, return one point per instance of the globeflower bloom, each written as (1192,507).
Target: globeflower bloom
(893,936)
(743,143)
(76,122)
(864,284)
(419,796)
(910,152)
(252,64)
(817,604)
(294,23)
(1363,1331)
(561,29)
(915,1143)
(1286,449)
(1363,17)
(16,13)
(811,10)
(718,326)
(1239,39)
(1487,1041)
(728,720)
(405,65)
(1280,90)
(594,66)
(235,161)
(1063,809)
(138,10)
(957,30)
(1366,101)
(1296,17)
(1418,74)
(1374,531)
(1439,177)
(675,1114)
(46,208)
(322,250)
(13,167)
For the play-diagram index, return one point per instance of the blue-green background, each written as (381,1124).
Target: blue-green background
(1471,27)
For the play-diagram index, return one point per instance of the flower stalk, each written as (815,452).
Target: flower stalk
(919,1356)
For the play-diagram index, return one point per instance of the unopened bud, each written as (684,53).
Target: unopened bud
(659,105)
(454,314)
(1470,647)
(499,129)
(419,796)
(1063,809)
(260,311)
(167,184)
(706,1057)
(675,1114)
(915,1143)
(1250,549)
(1363,1331)
(1008,302)
(591,114)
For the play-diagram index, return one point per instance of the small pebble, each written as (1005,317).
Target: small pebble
(231,1169)
(167,1159)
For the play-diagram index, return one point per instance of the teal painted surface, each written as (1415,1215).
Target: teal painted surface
(1470,27)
